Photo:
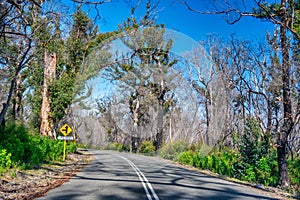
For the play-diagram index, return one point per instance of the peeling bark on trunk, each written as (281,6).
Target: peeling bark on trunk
(49,74)
(134,109)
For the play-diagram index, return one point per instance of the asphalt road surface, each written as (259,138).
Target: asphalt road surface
(114,175)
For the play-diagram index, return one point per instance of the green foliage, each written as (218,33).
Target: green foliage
(147,147)
(47,149)
(172,150)
(15,140)
(5,160)
(61,96)
(250,174)
(253,146)
(80,33)
(223,162)
(70,55)
(185,157)
(258,162)
(231,163)
(197,160)
(71,147)
(263,171)
(255,162)
(19,148)
(116,146)
(218,162)
(294,170)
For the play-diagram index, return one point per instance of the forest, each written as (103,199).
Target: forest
(230,106)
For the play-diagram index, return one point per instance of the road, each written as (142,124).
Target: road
(113,175)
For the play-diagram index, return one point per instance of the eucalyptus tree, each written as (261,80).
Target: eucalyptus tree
(144,71)
(285,15)
(210,73)
(17,43)
(72,57)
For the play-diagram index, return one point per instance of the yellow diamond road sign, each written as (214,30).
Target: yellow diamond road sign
(65,129)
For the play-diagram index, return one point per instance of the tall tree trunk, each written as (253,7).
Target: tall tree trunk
(207,119)
(17,98)
(135,136)
(160,111)
(10,94)
(170,128)
(160,122)
(2,123)
(49,74)
(134,105)
(286,98)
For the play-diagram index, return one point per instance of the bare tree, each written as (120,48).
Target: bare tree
(16,40)
(283,16)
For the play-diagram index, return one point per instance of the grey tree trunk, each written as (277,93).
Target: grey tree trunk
(286,98)
(17,98)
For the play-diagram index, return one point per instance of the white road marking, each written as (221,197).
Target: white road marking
(142,178)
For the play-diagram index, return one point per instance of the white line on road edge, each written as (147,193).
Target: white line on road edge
(142,178)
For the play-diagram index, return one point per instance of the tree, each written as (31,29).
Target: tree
(49,74)
(144,71)
(69,66)
(17,42)
(72,58)
(283,15)
(207,82)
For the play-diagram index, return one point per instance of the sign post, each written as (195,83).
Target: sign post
(65,130)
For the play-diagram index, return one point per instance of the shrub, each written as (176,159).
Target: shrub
(228,160)
(172,150)
(29,150)
(71,147)
(197,160)
(264,173)
(253,146)
(147,147)
(207,162)
(258,159)
(49,149)
(185,157)
(294,170)
(250,174)
(115,146)
(264,170)
(16,141)
(5,161)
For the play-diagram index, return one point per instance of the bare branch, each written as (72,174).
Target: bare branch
(231,10)
(91,2)
(276,21)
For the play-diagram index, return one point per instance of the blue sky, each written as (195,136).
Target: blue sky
(184,24)
(176,16)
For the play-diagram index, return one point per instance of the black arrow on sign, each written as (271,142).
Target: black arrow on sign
(65,130)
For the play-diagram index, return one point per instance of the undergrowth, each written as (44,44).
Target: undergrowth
(19,148)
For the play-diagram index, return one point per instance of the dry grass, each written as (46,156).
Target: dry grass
(30,184)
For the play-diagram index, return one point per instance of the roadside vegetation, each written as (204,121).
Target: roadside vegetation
(20,149)
(229,105)
(253,162)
